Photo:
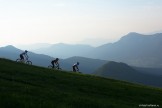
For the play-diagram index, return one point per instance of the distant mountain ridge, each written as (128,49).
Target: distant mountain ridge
(122,71)
(134,49)
(64,50)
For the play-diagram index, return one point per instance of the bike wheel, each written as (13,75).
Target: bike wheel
(29,62)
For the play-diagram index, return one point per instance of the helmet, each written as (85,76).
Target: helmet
(26,51)
(77,63)
(57,58)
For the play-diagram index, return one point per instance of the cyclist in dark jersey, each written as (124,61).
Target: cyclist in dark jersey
(55,63)
(24,54)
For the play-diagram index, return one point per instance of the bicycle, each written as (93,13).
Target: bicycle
(55,67)
(26,61)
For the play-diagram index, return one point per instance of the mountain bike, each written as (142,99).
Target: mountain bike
(55,67)
(26,61)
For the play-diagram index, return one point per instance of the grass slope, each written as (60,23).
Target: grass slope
(23,86)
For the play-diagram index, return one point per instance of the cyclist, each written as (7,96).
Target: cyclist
(75,67)
(24,54)
(55,62)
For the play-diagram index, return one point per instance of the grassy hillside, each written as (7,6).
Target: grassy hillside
(23,86)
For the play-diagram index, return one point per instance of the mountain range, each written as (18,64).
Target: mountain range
(134,49)
(64,50)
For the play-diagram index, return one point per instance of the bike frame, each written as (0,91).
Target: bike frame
(26,60)
(56,67)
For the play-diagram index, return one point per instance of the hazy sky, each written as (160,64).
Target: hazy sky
(76,21)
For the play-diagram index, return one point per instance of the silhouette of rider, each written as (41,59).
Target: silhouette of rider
(55,63)
(75,67)
(24,54)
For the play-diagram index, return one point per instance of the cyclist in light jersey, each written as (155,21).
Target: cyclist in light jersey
(75,67)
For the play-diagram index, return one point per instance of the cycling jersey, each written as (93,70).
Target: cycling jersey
(24,54)
(55,62)
(75,66)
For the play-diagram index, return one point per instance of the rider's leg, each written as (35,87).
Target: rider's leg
(53,66)
(22,58)
(74,70)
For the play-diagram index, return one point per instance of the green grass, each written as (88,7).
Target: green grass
(24,86)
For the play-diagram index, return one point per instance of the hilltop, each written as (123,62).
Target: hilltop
(24,86)
(122,71)
(134,49)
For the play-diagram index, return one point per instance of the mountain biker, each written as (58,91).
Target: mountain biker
(55,62)
(75,67)
(24,54)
